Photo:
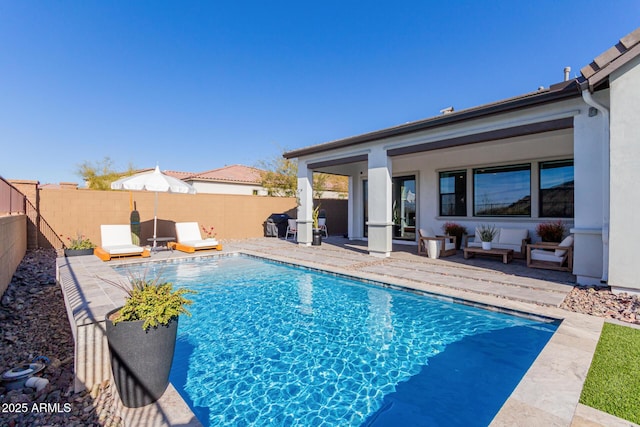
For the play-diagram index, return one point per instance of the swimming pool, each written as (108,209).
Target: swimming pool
(272,344)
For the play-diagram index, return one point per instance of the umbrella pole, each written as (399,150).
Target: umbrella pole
(155,221)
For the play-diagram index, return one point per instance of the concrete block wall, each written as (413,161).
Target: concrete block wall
(81,211)
(13,246)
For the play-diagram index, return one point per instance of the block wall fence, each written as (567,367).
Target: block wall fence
(70,211)
(13,246)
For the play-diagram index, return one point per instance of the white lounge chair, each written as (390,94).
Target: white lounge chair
(292,228)
(322,223)
(117,242)
(190,239)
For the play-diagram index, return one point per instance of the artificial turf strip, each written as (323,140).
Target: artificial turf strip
(613,381)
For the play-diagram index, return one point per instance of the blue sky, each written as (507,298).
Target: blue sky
(196,85)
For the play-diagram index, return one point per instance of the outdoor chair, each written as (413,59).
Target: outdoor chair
(446,244)
(322,223)
(292,229)
(117,242)
(551,256)
(190,239)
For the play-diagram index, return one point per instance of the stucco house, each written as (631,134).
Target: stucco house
(570,151)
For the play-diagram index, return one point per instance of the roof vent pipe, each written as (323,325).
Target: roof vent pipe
(567,70)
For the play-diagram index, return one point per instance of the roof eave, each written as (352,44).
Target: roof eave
(568,90)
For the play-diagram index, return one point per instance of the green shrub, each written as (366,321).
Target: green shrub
(152,300)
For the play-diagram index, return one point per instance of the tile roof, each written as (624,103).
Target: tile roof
(232,173)
(613,58)
(178,174)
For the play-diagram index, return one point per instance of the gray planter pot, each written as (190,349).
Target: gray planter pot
(317,237)
(140,360)
(78,252)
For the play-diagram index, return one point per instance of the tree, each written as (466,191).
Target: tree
(280,178)
(100,175)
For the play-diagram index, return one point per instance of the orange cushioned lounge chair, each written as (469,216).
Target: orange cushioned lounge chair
(190,240)
(117,242)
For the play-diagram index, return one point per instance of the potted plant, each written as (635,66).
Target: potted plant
(551,231)
(317,233)
(142,336)
(454,229)
(487,233)
(81,245)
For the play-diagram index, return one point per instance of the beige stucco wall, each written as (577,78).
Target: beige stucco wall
(80,211)
(235,217)
(625,176)
(13,246)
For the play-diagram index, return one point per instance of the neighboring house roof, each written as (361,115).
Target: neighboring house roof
(179,175)
(234,173)
(593,75)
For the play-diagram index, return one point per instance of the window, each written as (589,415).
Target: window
(502,191)
(556,189)
(453,193)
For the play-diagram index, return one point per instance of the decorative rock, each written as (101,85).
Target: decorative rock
(603,303)
(34,323)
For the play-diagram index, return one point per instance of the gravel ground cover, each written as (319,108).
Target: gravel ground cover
(33,322)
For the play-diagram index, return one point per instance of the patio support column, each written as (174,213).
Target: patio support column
(305,207)
(350,209)
(379,224)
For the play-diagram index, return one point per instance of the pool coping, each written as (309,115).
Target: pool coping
(548,394)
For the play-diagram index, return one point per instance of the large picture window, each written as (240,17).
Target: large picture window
(556,189)
(502,191)
(453,193)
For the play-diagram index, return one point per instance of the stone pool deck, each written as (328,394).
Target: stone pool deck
(547,395)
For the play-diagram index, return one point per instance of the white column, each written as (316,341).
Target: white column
(305,208)
(588,137)
(379,225)
(350,207)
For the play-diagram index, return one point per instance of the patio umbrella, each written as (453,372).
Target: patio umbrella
(157,182)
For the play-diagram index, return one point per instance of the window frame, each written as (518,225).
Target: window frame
(561,163)
(455,193)
(527,166)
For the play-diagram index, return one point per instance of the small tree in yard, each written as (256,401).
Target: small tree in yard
(100,175)
(280,178)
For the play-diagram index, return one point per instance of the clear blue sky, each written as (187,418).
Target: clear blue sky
(196,85)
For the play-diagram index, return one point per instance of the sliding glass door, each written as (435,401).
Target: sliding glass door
(403,208)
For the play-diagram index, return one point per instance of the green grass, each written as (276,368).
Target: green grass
(613,381)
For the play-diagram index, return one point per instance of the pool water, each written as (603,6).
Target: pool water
(272,344)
